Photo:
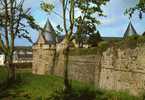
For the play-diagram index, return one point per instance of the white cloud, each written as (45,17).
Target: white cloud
(50,1)
(108,21)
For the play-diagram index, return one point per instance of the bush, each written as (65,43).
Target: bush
(87,93)
(131,42)
(104,45)
(113,95)
(94,39)
(74,94)
(141,39)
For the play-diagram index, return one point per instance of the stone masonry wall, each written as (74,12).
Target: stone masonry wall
(42,59)
(82,68)
(114,69)
(123,70)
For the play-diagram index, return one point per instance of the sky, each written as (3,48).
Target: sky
(114,25)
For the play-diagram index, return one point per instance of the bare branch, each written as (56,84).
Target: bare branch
(6,24)
(2,3)
(64,15)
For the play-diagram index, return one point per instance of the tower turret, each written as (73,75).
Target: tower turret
(130,31)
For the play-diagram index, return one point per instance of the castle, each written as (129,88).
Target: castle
(115,68)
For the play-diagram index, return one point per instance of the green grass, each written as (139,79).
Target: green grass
(33,86)
(40,87)
(3,74)
(113,95)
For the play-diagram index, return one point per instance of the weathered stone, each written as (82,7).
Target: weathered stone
(114,69)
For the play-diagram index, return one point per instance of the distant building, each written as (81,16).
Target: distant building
(21,54)
(130,31)
(2,59)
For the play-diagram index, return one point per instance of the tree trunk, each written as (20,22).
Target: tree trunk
(66,77)
(63,47)
(11,68)
(13,71)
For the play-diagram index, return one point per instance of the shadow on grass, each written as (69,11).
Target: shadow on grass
(87,93)
(35,87)
(8,89)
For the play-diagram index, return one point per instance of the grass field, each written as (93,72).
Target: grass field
(36,87)
(3,74)
(32,86)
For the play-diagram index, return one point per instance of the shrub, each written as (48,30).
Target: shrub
(74,94)
(113,95)
(87,93)
(94,39)
(141,39)
(131,42)
(104,45)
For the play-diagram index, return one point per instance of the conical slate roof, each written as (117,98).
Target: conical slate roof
(130,31)
(48,34)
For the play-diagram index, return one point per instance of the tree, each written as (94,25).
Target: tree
(68,7)
(140,7)
(86,23)
(94,39)
(13,22)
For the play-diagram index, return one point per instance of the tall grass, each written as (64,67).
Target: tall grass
(46,87)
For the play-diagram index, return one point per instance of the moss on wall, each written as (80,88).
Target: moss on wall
(129,42)
(84,51)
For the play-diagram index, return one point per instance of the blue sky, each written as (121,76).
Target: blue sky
(114,25)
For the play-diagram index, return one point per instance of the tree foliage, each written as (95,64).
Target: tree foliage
(68,7)
(140,7)
(14,21)
(47,7)
(87,21)
(94,39)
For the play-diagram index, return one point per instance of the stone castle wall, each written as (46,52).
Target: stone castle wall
(123,69)
(114,69)
(82,68)
(42,59)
